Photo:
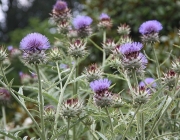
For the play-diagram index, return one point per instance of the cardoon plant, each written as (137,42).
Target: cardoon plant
(110,99)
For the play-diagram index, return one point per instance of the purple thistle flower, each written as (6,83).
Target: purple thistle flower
(151,26)
(82,22)
(34,42)
(148,81)
(128,48)
(60,5)
(100,85)
(104,16)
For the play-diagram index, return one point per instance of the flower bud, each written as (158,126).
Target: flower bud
(89,120)
(71,108)
(170,79)
(63,27)
(109,45)
(93,72)
(55,54)
(77,48)
(49,112)
(141,95)
(124,30)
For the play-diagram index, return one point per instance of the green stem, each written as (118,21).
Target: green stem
(61,97)
(76,83)
(4,119)
(135,78)
(111,125)
(104,52)
(95,45)
(67,134)
(123,137)
(74,132)
(59,75)
(157,63)
(41,103)
(142,126)
(177,106)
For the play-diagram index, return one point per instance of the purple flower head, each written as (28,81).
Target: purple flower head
(151,26)
(148,81)
(128,48)
(34,42)
(60,5)
(100,85)
(82,22)
(104,16)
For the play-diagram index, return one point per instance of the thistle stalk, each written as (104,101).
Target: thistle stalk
(4,119)
(104,52)
(41,103)
(67,133)
(157,63)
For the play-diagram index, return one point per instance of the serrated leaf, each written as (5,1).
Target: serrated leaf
(8,135)
(11,82)
(101,135)
(25,138)
(21,92)
(33,138)
(22,97)
(16,135)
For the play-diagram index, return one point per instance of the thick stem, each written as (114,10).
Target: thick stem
(61,97)
(4,119)
(104,52)
(74,132)
(124,135)
(59,75)
(41,103)
(67,133)
(142,127)
(111,125)
(157,63)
